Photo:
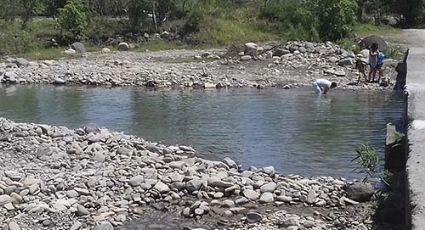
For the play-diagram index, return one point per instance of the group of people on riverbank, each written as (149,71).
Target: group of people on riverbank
(375,62)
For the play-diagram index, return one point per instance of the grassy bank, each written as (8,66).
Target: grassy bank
(232,26)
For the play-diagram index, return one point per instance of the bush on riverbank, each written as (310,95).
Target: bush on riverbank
(190,23)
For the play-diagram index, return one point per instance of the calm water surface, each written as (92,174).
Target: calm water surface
(293,130)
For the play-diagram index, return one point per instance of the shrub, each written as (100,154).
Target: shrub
(73,19)
(367,159)
(336,18)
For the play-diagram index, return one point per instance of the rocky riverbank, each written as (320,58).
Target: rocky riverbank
(288,65)
(54,177)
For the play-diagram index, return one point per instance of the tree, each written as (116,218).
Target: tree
(73,19)
(28,7)
(335,17)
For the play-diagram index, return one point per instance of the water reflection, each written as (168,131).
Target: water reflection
(295,131)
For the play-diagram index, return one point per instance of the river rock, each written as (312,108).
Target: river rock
(22,62)
(82,211)
(360,192)
(229,162)
(241,201)
(106,50)
(269,187)
(253,217)
(251,194)
(104,226)
(123,46)
(194,185)
(246,58)
(13,226)
(280,52)
(250,49)
(59,81)
(4,199)
(161,187)
(346,62)
(136,180)
(70,51)
(311,197)
(269,170)
(284,198)
(78,47)
(266,197)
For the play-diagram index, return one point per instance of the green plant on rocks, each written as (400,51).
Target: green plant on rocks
(367,159)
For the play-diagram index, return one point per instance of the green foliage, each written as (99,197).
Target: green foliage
(336,18)
(137,14)
(293,18)
(73,19)
(367,158)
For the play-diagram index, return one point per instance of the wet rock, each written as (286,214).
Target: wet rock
(229,162)
(253,217)
(360,192)
(59,81)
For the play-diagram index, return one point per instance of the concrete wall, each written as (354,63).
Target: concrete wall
(416,132)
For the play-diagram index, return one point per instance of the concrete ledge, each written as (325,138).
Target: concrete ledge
(416,132)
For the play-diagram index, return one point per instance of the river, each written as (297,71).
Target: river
(293,130)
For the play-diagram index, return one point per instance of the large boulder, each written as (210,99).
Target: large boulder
(22,62)
(123,46)
(280,52)
(78,47)
(346,62)
(250,48)
(360,192)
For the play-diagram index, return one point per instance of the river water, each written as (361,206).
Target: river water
(295,130)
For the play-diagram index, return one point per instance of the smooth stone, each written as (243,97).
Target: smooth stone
(161,187)
(267,197)
(251,194)
(4,199)
(14,226)
(104,226)
(136,180)
(82,211)
(269,187)
(253,217)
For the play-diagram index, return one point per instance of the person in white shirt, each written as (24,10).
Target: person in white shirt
(323,86)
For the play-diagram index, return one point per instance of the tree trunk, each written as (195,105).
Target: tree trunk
(155,23)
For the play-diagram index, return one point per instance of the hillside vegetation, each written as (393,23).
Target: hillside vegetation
(31,26)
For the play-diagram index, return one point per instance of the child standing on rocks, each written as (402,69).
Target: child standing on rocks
(376,61)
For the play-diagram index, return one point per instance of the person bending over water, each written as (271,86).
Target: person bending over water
(323,86)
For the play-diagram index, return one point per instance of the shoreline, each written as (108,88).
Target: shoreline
(54,176)
(292,65)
